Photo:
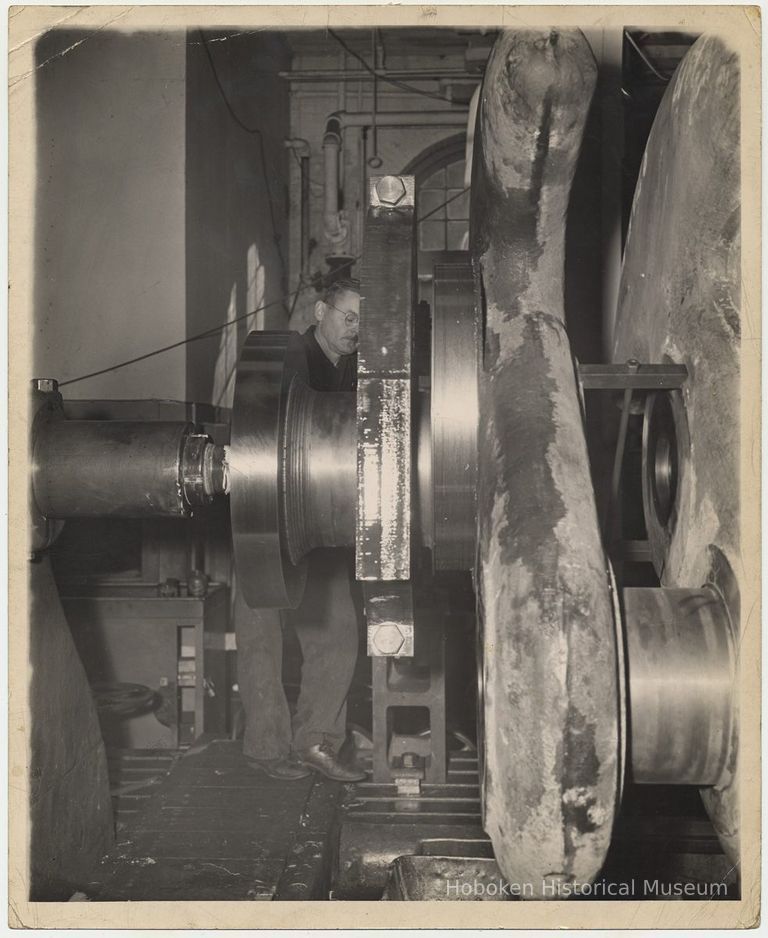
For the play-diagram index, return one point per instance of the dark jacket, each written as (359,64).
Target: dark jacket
(323,374)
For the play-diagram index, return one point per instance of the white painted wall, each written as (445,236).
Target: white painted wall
(109,238)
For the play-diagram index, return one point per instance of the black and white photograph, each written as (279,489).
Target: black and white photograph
(384,466)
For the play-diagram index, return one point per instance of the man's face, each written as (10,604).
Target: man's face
(338,321)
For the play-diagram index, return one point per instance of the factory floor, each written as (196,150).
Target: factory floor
(203,825)
(200,824)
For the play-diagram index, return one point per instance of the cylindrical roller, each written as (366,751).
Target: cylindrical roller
(112,468)
(319,469)
(681,685)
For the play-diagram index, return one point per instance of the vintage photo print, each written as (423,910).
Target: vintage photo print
(384,466)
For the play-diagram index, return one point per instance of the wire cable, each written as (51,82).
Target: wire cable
(644,57)
(384,77)
(254,131)
(231,322)
(442,205)
(173,345)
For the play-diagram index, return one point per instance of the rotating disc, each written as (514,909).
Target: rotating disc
(453,417)
(269,363)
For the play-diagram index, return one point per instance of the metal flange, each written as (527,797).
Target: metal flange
(268,365)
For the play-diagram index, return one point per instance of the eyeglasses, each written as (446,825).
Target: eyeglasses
(349,317)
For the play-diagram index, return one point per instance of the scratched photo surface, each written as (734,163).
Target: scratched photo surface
(391,395)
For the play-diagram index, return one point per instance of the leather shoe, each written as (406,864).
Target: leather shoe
(285,769)
(322,759)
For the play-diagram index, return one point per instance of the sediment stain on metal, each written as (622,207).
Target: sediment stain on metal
(384,422)
(551,714)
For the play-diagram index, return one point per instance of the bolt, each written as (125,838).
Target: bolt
(390,190)
(47,385)
(388,638)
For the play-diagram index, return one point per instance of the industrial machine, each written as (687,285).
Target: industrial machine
(483,461)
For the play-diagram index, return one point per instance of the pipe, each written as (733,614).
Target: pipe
(453,117)
(415,74)
(335,224)
(336,230)
(304,216)
(374,160)
(301,148)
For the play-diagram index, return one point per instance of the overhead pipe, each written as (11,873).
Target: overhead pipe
(374,161)
(414,74)
(449,117)
(335,225)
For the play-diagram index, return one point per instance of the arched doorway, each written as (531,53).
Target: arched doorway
(442,206)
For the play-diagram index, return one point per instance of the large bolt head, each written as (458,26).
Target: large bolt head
(388,639)
(390,190)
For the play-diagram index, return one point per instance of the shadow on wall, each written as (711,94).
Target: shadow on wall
(161,205)
(236,199)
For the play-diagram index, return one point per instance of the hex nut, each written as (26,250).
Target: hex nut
(388,638)
(390,190)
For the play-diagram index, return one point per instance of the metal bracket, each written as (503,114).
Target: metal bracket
(647,377)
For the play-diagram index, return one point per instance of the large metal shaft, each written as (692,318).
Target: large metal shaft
(111,468)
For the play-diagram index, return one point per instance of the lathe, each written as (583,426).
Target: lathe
(465,444)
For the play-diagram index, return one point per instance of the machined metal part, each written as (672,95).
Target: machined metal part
(292,467)
(454,417)
(202,469)
(544,606)
(682,665)
(116,468)
(384,383)
(392,191)
(404,685)
(389,619)
(621,678)
(269,363)
(319,469)
(643,377)
(666,450)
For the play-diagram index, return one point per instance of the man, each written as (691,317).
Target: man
(325,623)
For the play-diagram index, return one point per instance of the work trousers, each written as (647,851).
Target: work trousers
(326,625)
